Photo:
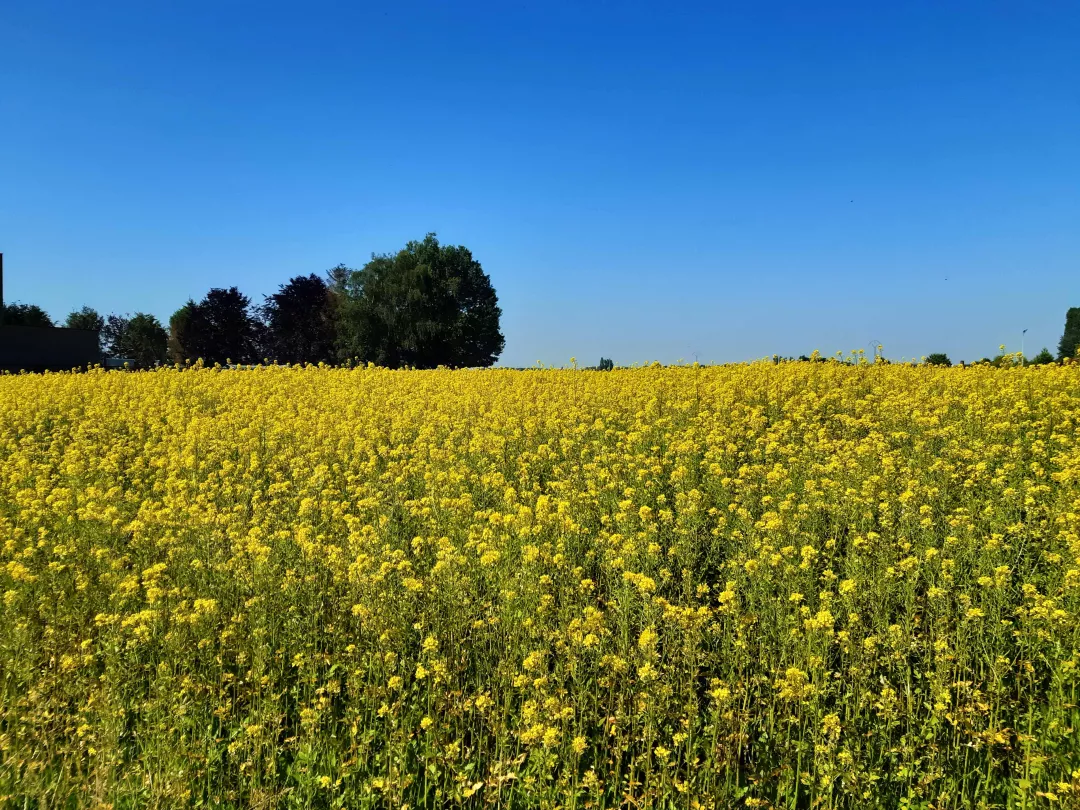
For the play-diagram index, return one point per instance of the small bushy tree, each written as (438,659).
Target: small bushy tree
(938,359)
(1042,358)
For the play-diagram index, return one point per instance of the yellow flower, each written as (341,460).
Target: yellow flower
(186,548)
(551,738)
(647,640)
(647,673)
(533,661)
(830,725)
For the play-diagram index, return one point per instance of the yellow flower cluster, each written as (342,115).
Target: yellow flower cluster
(794,585)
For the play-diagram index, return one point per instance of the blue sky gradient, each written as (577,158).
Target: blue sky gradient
(642,181)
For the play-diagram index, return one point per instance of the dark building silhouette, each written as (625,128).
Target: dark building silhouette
(35,348)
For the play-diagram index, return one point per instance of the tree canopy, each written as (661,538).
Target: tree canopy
(85,318)
(140,337)
(179,331)
(299,321)
(426,306)
(1042,358)
(1070,339)
(219,329)
(25,315)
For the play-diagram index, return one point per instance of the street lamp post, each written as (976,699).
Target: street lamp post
(1023,357)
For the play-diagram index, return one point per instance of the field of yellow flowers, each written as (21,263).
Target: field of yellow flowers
(810,585)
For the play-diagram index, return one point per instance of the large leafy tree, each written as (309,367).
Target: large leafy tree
(1070,340)
(427,305)
(146,340)
(299,321)
(140,337)
(25,315)
(221,328)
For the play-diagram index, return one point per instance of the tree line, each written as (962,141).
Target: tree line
(425,306)
(1068,348)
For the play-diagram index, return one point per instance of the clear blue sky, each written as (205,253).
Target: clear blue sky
(641,180)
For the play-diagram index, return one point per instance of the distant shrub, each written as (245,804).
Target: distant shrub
(1042,358)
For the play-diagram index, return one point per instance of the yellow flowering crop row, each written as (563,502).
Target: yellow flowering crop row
(805,585)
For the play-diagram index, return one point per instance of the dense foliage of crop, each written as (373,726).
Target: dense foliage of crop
(803,585)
